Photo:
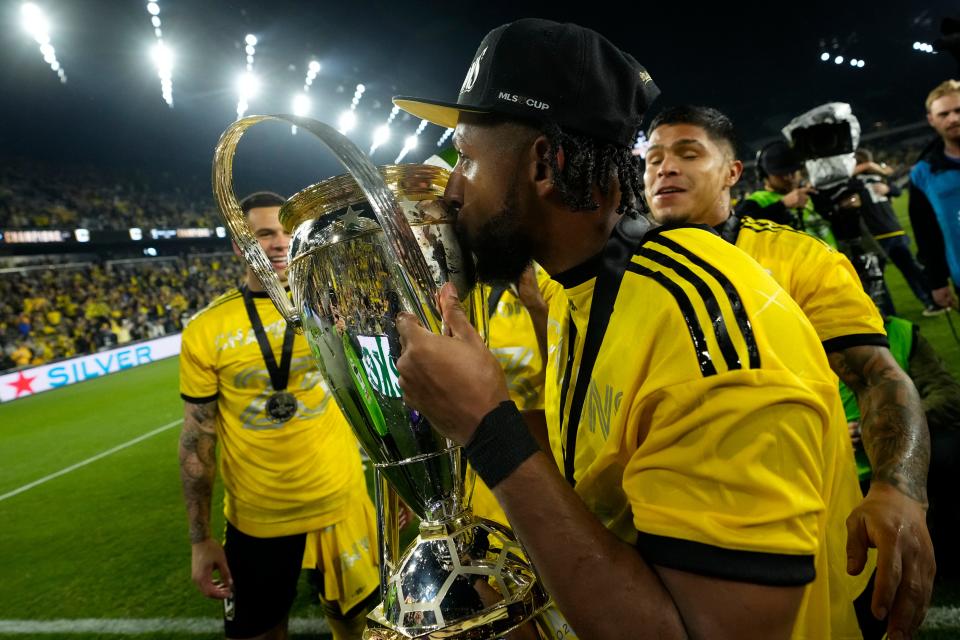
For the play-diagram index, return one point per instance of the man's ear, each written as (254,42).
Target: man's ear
(930,119)
(734,171)
(542,173)
(236,248)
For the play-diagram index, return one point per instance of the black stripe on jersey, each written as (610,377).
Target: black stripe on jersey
(774,569)
(689,315)
(743,320)
(204,400)
(761,225)
(709,300)
(855,340)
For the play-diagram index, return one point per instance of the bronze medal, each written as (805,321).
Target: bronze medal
(281,406)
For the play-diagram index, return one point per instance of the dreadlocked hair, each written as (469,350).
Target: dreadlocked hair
(589,162)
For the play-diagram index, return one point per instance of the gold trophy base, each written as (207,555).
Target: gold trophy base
(466,579)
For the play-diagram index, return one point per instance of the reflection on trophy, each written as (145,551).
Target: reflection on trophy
(366,246)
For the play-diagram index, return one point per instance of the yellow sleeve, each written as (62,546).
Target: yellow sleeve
(728,478)
(828,289)
(198,374)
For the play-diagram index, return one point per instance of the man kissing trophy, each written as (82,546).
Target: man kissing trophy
(366,246)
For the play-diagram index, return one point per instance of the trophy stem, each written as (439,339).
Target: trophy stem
(388,525)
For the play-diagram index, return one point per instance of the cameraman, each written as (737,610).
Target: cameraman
(784,199)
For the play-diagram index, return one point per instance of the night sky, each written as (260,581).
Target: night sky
(761,67)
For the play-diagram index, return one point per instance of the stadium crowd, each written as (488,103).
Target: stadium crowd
(37,196)
(62,312)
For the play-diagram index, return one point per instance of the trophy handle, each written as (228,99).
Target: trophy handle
(233,216)
(400,239)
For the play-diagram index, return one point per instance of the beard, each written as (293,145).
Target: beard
(501,248)
(952,134)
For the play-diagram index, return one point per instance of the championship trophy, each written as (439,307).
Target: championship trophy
(365,246)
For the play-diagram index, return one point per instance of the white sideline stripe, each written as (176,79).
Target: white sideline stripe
(944,618)
(127,626)
(84,463)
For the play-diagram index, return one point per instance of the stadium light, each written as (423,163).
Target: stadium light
(824,56)
(446,136)
(301,105)
(162,56)
(35,23)
(383,131)
(838,60)
(381,136)
(357,95)
(163,59)
(248,85)
(411,142)
(313,68)
(348,120)
(250,49)
(860,63)
(408,145)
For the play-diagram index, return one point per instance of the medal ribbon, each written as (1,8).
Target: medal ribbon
(279,375)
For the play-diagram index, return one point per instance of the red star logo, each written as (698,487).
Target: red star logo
(23,384)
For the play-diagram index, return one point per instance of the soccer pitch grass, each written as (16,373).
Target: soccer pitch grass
(93,534)
(106,540)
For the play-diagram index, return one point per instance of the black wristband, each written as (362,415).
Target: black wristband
(500,444)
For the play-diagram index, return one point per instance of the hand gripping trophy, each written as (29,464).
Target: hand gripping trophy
(366,246)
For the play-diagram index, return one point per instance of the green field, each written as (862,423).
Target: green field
(104,546)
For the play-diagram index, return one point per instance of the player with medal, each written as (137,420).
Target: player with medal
(294,490)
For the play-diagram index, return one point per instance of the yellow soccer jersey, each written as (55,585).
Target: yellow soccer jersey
(279,479)
(711,434)
(819,278)
(513,341)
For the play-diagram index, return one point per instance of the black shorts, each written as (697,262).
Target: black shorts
(265,573)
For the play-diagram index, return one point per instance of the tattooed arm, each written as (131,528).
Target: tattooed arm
(892,517)
(198,467)
(893,424)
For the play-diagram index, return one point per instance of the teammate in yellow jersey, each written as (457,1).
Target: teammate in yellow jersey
(687,413)
(517,337)
(294,489)
(690,166)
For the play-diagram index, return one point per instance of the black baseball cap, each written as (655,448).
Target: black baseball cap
(779,159)
(537,69)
